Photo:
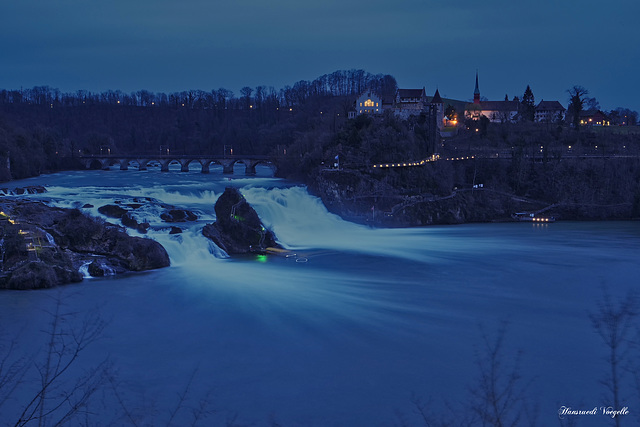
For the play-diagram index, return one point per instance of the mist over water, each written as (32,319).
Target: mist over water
(360,319)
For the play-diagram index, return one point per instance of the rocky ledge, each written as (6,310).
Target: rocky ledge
(43,246)
(361,197)
(238,229)
(134,215)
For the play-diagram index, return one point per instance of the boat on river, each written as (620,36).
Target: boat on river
(531,217)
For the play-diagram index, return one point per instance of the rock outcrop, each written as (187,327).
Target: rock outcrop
(132,216)
(238,229)
(45,246)
(31,189)
(178,215)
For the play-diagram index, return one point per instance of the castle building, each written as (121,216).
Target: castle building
(410,102)
(407,103)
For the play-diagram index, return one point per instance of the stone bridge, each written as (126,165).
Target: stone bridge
(143,161)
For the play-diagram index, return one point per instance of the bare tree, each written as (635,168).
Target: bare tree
(12,370)
(499,396)
(613,322)
(60,395)
(188,409)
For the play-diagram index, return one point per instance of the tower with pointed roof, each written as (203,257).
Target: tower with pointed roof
(437,99)
(476,92)
(439,108)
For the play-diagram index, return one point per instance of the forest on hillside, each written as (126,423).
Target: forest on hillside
(42,129)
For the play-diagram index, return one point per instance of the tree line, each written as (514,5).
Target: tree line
(338,83)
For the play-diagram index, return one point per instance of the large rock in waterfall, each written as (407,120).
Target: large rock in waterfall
(238,229)
(44,246)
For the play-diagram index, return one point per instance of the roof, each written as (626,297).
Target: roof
(411,93)
(369,94)
(550,105)
(592,113)
(499,105)
(436,98)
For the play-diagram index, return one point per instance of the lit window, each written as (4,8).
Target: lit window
(368,103)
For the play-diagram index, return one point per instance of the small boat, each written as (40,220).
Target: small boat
(530,217)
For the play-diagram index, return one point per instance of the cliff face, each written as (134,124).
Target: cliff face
(392,199)
(238,229)
(364,199)
(45,246)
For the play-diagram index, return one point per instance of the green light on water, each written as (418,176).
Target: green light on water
(261,258)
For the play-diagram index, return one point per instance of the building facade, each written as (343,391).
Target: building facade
(369,103)
(594,118)
(410,102)
(549,112)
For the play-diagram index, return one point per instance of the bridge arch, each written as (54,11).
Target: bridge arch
(144,161)
(183,162)
(250,165)
(164,164)
(94,164)
(136,163)
(206,164)
(263,162)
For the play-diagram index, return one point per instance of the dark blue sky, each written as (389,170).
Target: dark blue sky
(169,45)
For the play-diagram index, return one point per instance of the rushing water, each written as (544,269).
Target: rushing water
(349,331)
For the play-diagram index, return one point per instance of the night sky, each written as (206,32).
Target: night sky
(168,46)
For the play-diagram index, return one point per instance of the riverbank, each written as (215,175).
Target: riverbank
(395,198)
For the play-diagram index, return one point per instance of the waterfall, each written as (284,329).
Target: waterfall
(84,270)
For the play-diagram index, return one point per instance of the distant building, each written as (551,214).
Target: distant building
(410,102)
(407,103)
(594,118)
(549,112)
(369,103)
(496,111)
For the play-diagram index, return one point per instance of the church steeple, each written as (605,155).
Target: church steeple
(476,92)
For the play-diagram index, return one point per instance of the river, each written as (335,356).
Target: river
(351,331)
